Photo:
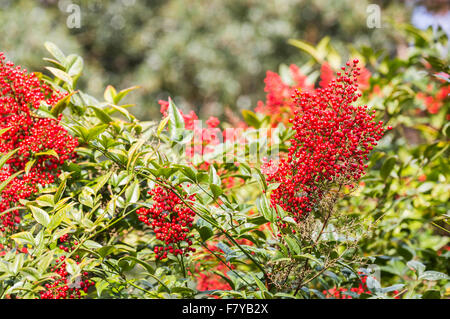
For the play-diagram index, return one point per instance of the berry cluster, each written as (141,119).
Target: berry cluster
(279,104)
(331,144)
(62,285)
(171,220)
(342,293)
(42,144)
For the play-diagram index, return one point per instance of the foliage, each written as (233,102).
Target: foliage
(176,210)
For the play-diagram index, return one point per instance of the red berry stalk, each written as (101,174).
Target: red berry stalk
(332,140)
(171,220)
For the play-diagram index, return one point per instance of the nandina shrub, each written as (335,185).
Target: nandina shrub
(171,210)
(37,146)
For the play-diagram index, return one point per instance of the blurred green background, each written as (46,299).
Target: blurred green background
(208,55)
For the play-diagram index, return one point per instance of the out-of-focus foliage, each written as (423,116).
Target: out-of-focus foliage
(208,54)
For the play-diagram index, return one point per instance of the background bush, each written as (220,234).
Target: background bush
(208,55)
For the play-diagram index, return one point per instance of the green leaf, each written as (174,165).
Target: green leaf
(295,248)
(387,167)
(30,273)
(433,276)
(431,150)
(95,131)
(259,283)
(119,96)
(445,130)
(56,219)
(183,291)
(45,261)
(205,232)
(264,208)
(216,190)
(55,51)
(147,267)
(101,181)
(425,187)
(60,190)
(105,251)
(23,238)
(110,93)
(260,178)
(307,48)
(46,200)
(225,278)
(7,156)
(133,192)
(40,215)
(90,244)
(17,264)
(122,111)
(102,115)
(392,288)
(372,283)
(55,63)
(162,125)
(308,256)
(251,118)
(61,105)
(72,267)
(213,177)
(61,75)
(48,153)
(176,122)
(4,130)
(74,65)
(133,152)
(29,165)
(289,220)
(189,172)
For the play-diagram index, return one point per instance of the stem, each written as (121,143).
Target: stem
(301,283)
(183,268)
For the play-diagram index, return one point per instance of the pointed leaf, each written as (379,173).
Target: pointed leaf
(40,215)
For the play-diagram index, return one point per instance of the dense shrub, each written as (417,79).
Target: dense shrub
(316,188)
